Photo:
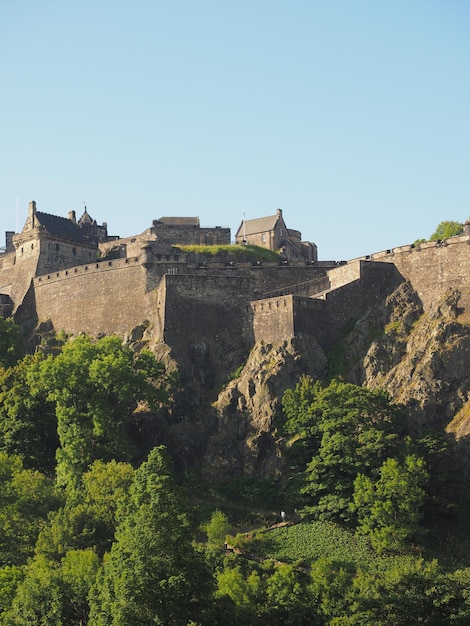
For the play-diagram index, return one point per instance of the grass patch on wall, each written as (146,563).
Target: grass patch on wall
(234,252)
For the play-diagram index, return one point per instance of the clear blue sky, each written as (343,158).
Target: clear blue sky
(353,116)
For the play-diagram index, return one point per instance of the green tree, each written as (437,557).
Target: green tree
(10,578)
(287,598)
(51,595)
(413,592)
(301,426)
(244,590)
(217,529)
(90,521)
(389,509)
(447,229)
(95,386)
(267,594)
(11,342)
(445,484)
(28,425)
(26,498)
(330,587)
(356,429)
(153,574)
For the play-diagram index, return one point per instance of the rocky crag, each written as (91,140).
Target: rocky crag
(422,358)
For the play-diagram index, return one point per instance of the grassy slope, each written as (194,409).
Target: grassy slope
(235,253)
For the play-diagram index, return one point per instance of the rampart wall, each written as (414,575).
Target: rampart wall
(269,278)
(433,268)
(208,323)
(273,318)
(326,317)
(99,298)
(211,313)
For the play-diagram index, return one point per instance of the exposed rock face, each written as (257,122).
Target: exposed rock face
(422,360)
(246,440)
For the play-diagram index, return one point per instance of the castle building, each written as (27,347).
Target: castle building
(271,232)
(188,231)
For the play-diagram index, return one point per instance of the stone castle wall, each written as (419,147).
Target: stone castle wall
(207,323)
(326,317)
(192,235)
(433,268)
(212,313)
(273,317)
(98,298)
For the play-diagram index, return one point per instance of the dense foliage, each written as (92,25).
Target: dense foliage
(447,229)
(352,461)
(90,535)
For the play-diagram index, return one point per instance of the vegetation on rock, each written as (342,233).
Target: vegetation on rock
(98,527)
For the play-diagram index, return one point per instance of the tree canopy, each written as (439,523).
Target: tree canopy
(446,229)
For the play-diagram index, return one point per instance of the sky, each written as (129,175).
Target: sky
(352,116)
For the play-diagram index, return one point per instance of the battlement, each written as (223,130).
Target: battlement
(410,249)
(88,270)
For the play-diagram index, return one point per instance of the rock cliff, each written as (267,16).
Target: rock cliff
(245,438)
(421,358)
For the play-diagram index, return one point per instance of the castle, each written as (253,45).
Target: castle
(207,310)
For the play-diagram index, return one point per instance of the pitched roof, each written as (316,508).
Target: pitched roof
(179,221)
(259,225)
(61,227)
(86,218)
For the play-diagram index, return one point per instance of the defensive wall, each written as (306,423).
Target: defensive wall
(270,278)
(99,298)
(207,322)
(354,288)
(211,313)
(114,295)
(432,268)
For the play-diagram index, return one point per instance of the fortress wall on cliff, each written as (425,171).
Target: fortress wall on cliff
(269,278)
(273,318)
(433,268)
(357,288)
(100,298)
(208,322)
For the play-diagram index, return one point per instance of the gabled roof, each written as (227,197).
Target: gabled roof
(179,221)
(61,227)
(86,218)
(259,225)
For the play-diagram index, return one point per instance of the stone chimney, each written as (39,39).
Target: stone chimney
(279,212)
(72,217)
(32,213)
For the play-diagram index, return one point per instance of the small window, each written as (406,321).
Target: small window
(263,238)
(74,251)
(57,247)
